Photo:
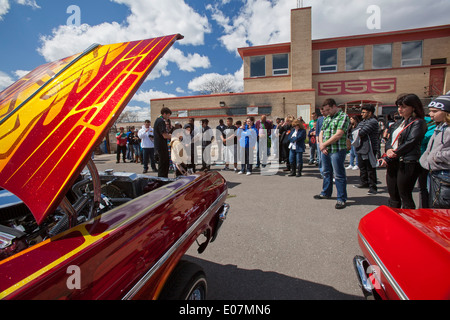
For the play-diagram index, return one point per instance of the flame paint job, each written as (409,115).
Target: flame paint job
(45,137)
(413,246)
(114,250)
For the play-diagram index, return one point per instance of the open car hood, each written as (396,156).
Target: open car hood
(52,119)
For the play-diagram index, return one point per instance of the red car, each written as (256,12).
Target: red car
(406,254)
(71,233)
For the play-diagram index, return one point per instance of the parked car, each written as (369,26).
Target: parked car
(406,254)
(68,231)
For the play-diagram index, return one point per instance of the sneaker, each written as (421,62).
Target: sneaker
(226,169)
(372,191)
(361,186)
(240,172)
(355,168)
(235,170)
(248,173)
(321,196)
(349,167)
(340,205)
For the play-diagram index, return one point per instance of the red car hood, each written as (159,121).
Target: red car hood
(51,119)
(413,246)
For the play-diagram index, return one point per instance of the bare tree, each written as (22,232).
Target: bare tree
(214,83)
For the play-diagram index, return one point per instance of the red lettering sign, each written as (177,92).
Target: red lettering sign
(357,86)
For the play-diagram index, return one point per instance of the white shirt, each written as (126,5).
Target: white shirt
(292,145)
(146,141)
(395,135)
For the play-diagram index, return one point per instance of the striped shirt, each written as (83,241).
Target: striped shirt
(331,125)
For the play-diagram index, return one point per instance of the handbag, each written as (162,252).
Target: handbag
(439,190)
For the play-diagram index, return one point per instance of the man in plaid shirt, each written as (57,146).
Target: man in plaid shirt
(332,141)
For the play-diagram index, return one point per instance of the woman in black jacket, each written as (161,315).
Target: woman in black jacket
(403,151)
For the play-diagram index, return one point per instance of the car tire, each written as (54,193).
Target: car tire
(187,282)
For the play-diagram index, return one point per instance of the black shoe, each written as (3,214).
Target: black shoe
(361,186)
(292,174)
(340,205)
(321,196)
(372,191)
(145,171)
(299,174)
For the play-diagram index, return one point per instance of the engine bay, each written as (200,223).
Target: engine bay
(91,195)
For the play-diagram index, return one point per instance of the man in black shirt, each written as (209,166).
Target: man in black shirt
(161,135)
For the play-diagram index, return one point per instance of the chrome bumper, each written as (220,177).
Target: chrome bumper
(222,215)
(361,264)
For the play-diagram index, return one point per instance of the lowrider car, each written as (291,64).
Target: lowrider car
(68,231)
(406,254)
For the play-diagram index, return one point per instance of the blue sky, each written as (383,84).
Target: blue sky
(33,32)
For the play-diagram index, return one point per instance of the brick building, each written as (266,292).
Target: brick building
(296,77)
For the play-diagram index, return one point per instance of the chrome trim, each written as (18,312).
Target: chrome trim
(398,290)
(140,284)
(364,282)
(224,213)
(222,217)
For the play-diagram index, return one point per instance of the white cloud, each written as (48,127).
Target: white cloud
(142,113)
(258,22)
(31,3)
(4,8)
(5,80)
(147,19)
(261,22)
(21,73)
(146,96)
(332,18)
(188,62)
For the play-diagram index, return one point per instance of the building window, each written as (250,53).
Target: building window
(328,60)
(354,58)
(258,66)
(280,64)
(411,53)
(382,56)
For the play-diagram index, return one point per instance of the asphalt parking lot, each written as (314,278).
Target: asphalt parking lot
(278,242)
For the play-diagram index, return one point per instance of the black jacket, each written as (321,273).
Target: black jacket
(368,129)
(409,140)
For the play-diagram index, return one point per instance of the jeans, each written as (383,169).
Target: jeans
(247,159)
(319,159)
(333,164)
(296,160)
(313,152)
(353,157)
(148,154)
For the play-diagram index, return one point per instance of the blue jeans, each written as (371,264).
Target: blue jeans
(353,157)
(296,159)
(333,164)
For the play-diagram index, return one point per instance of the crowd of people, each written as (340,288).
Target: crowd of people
(417,148)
